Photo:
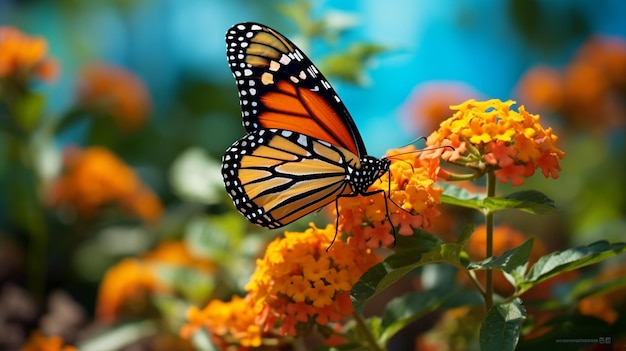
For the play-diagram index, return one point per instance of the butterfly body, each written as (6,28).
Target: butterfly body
(302,149)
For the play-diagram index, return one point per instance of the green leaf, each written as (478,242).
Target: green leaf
(502,327)
(349,65)
(412,252)
(467,232)
(406,309)
(194,284)
(457,196)
(28,109)
(530,201)
(591,287)
(558,262)
(214,237)
(512,260)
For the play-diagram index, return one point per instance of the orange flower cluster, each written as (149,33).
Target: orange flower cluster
(116,92)
(296,285)
(126,286)
(95,177)
(39,342)
(298,282)
(589,91)
(229,323)
(23,56)
(489,135)
(411,201)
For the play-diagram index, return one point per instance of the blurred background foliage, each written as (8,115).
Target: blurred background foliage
(141,89)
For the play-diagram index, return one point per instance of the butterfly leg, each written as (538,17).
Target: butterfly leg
(336,224)
(393,228)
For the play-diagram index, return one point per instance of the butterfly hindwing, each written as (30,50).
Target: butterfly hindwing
(277,176)
(280,88)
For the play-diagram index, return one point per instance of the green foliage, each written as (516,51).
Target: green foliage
(349,65)
(530,201)
(502,327)
(177,155)
(501,330)
(559,262)
(404,310)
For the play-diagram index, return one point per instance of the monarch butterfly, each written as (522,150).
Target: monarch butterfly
(303,150)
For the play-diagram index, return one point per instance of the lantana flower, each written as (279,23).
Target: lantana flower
(94,178)
(126,286)
(125,289)
(409,195)
(23,56)
(301,281)
(38,342)
(228,323)
(588,91)
(116,92)
(489,135)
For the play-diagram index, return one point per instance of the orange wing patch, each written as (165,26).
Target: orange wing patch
(292,108)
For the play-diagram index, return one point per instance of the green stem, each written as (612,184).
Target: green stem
(491,192)
(371,341)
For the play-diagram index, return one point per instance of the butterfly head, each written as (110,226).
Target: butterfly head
(370,169)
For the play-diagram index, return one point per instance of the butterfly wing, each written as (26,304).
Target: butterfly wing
(277,176)
(279,87)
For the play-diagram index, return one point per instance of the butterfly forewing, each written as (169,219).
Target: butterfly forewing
(280,88)
(276,176)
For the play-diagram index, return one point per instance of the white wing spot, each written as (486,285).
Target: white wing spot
(284,60)
(274,66)
(302,140)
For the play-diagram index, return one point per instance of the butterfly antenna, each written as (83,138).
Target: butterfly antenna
(440,147)
(399,159)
